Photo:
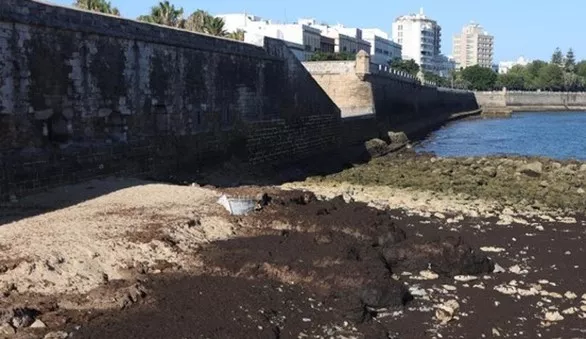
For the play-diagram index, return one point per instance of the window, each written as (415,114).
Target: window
(344,49)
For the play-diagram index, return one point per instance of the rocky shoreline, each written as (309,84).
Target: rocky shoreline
(404,246)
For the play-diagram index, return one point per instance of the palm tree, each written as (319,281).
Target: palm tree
(214,26)
(195,22)
(237,35)
(101,6)
(165,14)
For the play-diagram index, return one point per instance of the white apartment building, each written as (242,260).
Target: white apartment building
(473,46)
(348,40)
(382,50)
(505,66)
(294,35)
(420,38)
(236,21)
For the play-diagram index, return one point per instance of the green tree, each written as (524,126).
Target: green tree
(236,35)
(480,78)
(165,14)
(511,81)
(551,78)
(196,21)
(327,56)
(570,62)
(580,68)
(101,6)
(557,58)
(439,80)
(409,66)
(573,82)
(214,26)
(532,74)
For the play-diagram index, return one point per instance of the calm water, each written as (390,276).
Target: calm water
(551,134)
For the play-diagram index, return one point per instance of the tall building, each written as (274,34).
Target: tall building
(420,38)
(382,50)
(473,46)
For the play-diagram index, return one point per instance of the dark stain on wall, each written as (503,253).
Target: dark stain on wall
(48,56)
(107,67)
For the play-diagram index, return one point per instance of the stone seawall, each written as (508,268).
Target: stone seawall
(85,95)
(390,100)
(506,102)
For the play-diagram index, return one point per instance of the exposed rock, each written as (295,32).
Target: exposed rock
(465,278)
(490,171)
(128,296)
(38,324)
(527,292)
(506,289)
(385,295)
(376,147)
(492,249)
(534,169)
(582,168)
(7,331)
(18,317)
(496,332)
(571,310)
(553,316)
(56,335)
(445,312)
(426,275)
(417,291)
(398,137)
(449,287)
(516,269)
(570,295)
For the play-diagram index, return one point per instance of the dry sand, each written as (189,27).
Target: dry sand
(76,248)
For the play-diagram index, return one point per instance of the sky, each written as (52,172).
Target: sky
(529,28)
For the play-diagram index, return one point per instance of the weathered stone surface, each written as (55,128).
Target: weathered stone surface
(376,147)
(56,335)
(38,324)
(7,331)
(534,169)
(398,137)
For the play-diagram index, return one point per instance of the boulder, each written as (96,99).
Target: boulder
(490,171)
(376,147)
(398,137)
(7,331)
(533,169)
